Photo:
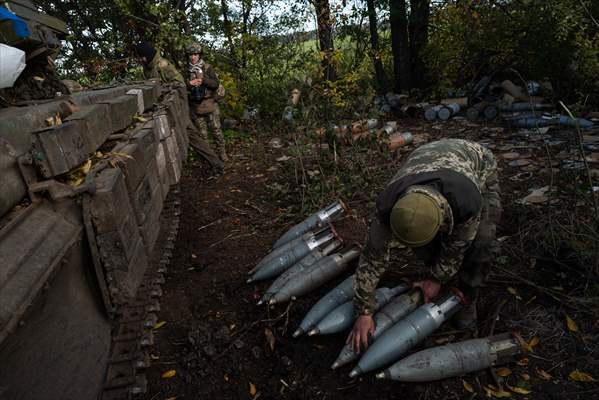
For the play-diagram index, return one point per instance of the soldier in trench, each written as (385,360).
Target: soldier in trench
(157,67)
(443,205)
(203,85)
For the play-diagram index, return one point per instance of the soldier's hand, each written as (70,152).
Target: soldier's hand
(360,334)
(430,289)
(196,82)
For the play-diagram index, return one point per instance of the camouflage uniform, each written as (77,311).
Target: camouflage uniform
(161,68)
(207,110)
(465,174)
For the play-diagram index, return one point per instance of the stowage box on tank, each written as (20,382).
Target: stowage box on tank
(82,260)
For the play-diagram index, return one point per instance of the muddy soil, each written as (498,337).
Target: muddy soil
(217,339)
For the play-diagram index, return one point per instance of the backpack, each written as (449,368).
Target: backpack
(219,94)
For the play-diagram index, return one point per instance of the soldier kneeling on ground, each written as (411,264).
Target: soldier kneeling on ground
(157,67)
(203,86)
(444,205)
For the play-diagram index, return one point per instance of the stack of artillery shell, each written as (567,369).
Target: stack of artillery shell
(314,276)
(289,253)
(298,268)
(339,295)
(454,359)
(407,333)
(448,111)
(342,317)
(398,308)
(316,220)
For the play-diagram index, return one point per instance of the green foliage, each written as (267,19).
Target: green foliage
(541,39)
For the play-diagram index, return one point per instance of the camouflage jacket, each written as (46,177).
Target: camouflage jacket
(206,72)
(457,169)
(161,68)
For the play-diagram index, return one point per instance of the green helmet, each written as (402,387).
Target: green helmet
(415,219)
(194,48)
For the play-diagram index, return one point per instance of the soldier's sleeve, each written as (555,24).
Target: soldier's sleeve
(453,249)
(211,79)
(174,75)
(370,267)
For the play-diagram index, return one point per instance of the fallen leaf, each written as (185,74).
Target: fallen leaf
(533,342)
(571,324)
(491,392)
(270,338)
(252,389)
(503,372)
(226,378)
(518,390)
(514,293)
(523,362)
(510,156)
(542,374)
(159,325)
(169,374)
(580,376)
(467,386)
(139,118)
(172,398)
(525,376)
(536,196)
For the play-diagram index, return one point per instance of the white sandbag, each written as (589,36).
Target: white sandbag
(12,63)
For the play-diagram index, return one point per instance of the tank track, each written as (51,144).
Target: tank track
(133,335)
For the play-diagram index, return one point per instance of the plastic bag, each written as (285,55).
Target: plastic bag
(12,63)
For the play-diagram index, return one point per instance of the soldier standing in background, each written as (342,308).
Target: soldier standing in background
(203,85)
(160,68)
(155,66)
(444,205)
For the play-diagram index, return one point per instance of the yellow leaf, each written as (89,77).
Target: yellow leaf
(270,338)
(159,325)
(518,390)
(534,341)
(467,386)
(580,376)
(543,375)
(491,392)
(571,324)
(169,374)
(140,118)
(523,362)
(38,78)
(252,389)
(514,293)
(503,372)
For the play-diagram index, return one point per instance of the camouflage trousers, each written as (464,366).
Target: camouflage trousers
(202,147)
(485,247)
(202,121)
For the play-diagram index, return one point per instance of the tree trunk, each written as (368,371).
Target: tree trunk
(400,45)
(325,37)
(418,28)
(382,84)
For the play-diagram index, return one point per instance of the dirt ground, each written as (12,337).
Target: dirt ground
(215,337)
